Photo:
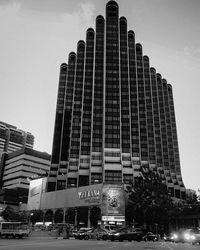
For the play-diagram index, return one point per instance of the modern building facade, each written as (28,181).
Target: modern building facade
(17,168)
(12,138)
(114,113)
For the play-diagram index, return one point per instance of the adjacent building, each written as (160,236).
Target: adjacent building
(114,113)
(12,138)
(17,170)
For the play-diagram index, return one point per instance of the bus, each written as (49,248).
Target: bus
(14,229)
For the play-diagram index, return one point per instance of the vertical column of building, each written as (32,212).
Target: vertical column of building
(76,117)
(142,106)
(135,135)
(65,136)
(156,120)
(84,172)
(178,192)
(168,126)
(125,104)
(149,112)
(97,112)
(169,138)
(163,126)
(112,155)
(58,128)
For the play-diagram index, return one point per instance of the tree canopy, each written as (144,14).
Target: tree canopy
(149,202)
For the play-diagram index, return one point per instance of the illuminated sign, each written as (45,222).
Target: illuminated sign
(113,218)
(113,202)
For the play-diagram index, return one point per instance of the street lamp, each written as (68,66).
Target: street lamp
(29,219)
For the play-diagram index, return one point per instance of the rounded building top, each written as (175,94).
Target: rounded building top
(112,2)
(131,34)
(81,44)
(72,55)
(63,66)
(112,9)
(146,58)
(123,19)
(169,87)
(90,33)
(153,70)
(138,47)
(100,19)
(164,81)
(159,75)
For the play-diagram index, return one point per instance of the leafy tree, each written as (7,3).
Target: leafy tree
(149,202)
(9,214)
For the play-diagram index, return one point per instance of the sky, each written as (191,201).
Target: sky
(36,36)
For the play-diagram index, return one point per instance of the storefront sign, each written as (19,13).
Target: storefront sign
(89,194)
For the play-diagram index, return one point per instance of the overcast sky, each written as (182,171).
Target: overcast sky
(36,36)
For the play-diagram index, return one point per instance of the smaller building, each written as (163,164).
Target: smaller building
(105,201)
(16,170)
(12,138)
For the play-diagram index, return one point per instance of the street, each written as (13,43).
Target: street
(48,243)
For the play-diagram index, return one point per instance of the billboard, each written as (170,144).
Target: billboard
(36,188)
(113,203)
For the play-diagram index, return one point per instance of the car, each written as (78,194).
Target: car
(84,233)
(100,234)
(168,237)
(177,236)
(125,234)
(192,235)
(150,237)
(110,228)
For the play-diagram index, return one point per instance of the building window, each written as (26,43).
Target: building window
(71,182)
(96,178)
(83,180)
(127,178)
(113,177)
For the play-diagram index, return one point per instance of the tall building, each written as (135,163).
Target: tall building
(12,138)
(114,113)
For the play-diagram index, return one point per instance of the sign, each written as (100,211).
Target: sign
(90,195)
(36,188)
(113,218)
(113,203)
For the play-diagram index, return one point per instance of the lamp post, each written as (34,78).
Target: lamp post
(29,219)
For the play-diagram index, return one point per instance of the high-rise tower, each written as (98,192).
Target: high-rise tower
(114,113)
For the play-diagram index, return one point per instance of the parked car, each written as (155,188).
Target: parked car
(110,228)
(101,234)
(84,233)
(126,234)
(150,237)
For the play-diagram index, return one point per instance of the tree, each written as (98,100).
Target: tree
(149,202)
(9,214)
